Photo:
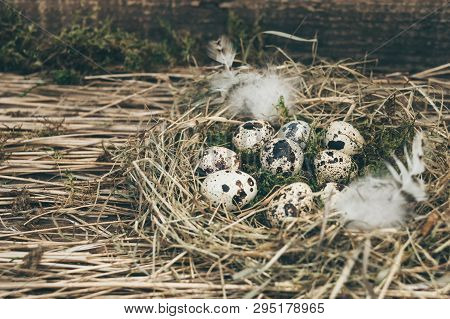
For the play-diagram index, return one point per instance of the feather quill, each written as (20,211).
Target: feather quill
(372,202)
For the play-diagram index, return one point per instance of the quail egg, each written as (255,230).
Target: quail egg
(232,189)
(329,193)
(297,131)
(342,136)
(334,166)
(217,158)
(292,201)
(251,135)
(282,156)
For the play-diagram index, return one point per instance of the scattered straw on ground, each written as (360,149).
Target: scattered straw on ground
(98,196)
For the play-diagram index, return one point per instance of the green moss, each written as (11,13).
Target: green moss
(85,49)
(178,43)
(91,49)
(267,181)
(66,76)
(17,42)
(243,33)
(313,147)
(220,135)
(381,143)
(282,110)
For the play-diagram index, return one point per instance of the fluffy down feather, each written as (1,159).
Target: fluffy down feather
(256,94)
(383,202)
(252,93)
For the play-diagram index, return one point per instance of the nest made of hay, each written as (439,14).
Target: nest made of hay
(311,256)
(100,198)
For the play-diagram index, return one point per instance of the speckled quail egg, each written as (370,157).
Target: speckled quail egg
(329,193)
(292,201)
(297,131)
(342,136)
(251,135)
(217,158)
(334,166)
(232,189)
(282,156)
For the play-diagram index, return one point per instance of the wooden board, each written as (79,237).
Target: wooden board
(345,28)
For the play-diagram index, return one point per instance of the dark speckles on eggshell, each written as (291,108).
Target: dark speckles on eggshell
(281,149)
(291,130)
(282,156)
(297,131)
(333,166)
(217,158)
(336,145)
(292,201)
(343,136)
(238,199)
(221,164)
(290,210)
(252,125)
(252,135)
(229,188)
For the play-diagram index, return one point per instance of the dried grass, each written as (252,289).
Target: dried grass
(99,198)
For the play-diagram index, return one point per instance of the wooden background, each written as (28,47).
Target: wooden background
(345,28)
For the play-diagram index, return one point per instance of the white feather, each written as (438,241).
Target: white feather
(253,93)
(383,202)
(222,51)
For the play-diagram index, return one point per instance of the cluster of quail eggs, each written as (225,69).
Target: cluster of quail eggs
(280,153)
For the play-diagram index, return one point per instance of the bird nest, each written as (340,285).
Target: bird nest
(120,213)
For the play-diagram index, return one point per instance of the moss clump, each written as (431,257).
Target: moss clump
(381,143)
(17,42)
(84,49)
(267,181)
(66,76)
(220,135)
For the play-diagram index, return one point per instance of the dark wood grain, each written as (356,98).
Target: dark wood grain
(345,28)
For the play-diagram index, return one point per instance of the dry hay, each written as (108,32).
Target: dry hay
(99,198)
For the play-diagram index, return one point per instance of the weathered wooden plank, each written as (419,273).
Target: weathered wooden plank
(345,28)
